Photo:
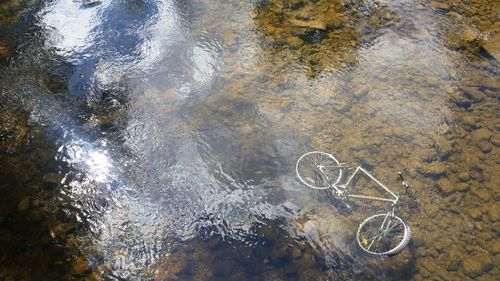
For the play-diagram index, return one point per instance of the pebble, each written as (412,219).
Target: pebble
(443,145)
(440,6)
(481,192)
(475,265)
(475,213)
(24,204)
(80,265)
(480,135)
(492,45)
(434,169)
(464,176)
(469,121)
(54,178)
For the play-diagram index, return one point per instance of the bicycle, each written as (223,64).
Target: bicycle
(382,234)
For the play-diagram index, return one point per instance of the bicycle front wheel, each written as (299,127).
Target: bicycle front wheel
(318,170)
(383,235)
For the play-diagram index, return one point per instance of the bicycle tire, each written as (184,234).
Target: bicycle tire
(308,172)
(386,245)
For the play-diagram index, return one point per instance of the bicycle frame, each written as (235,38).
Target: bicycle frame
(343,189)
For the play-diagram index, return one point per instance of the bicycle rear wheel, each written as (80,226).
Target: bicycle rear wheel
(318,170)
(383,239)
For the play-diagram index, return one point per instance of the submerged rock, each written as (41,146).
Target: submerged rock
(80,266)
(492,45)
(482,134)
(477,264)
(440,6)
(54,178)
(24,204)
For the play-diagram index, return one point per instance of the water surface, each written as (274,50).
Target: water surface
(156,140)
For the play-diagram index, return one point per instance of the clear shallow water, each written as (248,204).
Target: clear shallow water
(157,140)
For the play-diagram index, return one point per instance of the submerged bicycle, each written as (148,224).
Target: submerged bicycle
(382,234)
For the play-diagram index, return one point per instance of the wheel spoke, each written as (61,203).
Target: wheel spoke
(377,239)
(317,169)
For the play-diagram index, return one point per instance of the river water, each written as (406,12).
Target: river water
(157,140)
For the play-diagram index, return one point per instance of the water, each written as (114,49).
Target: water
(156,140)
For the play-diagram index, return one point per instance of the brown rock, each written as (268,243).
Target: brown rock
(445,186)
(481,192)
(475,213)
(440,6)
(54,178)
(24,204)
(492,45)
(464,176)
(470,34)
(433,169)
(443,145)
(480,135)
(316,24)
(477,264)
(469,121)
(80,265)
(3,51)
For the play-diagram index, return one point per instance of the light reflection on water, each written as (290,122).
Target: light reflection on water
(191,117)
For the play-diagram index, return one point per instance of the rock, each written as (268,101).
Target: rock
(447,187)
(454,265)
(480,135)
(95,276)
(492,45)
(485,147)
(443,145)
(469,121)
(434,169)
(481,192)
(475,213)
(464,176)
(295,252)
(54,178)
(470,34)
(316,24)
(3,50)
(477,264)
(80,265)
(440,6)
(295,42)
(24,204)
(493,214)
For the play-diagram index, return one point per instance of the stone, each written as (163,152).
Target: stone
(3,50)
(24,204)
(492,45)
(482,192)
(316,24)
(464,176)
(454,265)
(295,42)
(443,145)
(295,252)
(485,147)
(440,6)
(470,34)
(469,121)
(434,169)
(54,178)
(80,265)
(475,213)
(477,264)
(493,213)
(480,135)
